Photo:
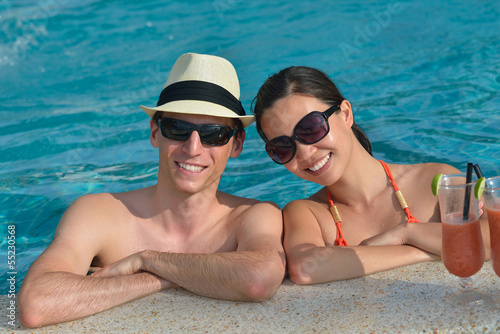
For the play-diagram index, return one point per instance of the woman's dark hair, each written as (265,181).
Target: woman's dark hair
(301,80)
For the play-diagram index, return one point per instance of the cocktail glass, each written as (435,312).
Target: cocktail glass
(491,197)
(462,248)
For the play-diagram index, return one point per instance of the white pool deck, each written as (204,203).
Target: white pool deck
(404,300)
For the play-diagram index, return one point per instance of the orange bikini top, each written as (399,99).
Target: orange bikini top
(340,241)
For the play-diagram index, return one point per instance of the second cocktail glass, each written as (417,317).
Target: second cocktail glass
(462,248)
(491,197)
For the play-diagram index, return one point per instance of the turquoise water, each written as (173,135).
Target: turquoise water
(424,81)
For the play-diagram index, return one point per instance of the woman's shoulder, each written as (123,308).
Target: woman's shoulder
(416,179)
(298,204)
(312,203)
(423,170)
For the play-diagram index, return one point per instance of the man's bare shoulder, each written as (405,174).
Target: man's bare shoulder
(82,233)
(244,207)
(94,205)
(95,200)
(263,207)
(86,214)
(100,210)
(95,225)
(109,203)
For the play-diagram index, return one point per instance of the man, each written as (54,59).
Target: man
(181,232)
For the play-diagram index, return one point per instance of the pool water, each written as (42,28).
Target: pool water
(424,81)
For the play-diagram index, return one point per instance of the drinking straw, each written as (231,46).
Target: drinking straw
(478,171)
(468,179)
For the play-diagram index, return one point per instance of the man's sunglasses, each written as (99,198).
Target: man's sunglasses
(210,134)
(309,130)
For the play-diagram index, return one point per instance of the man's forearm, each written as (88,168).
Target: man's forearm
(242,275)
(60,296)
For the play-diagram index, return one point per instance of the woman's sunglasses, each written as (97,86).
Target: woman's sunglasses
(210,134)
(309,130)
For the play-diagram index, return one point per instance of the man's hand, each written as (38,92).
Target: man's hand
(130,265)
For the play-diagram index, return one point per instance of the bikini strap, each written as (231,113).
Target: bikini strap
(339,240)
(399,194)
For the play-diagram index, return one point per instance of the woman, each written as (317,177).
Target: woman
(359,206)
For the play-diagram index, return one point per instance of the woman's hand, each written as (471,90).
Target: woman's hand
(391,237)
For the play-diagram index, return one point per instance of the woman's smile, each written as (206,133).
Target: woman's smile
(320,164)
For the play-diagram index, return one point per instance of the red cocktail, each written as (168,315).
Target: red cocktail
(463,249)
(462,242)
(491,199)
(494,222)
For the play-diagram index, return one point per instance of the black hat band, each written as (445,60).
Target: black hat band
(200,91)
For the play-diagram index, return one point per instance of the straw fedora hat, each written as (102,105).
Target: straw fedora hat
(202,85)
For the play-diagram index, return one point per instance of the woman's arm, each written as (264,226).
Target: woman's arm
(311,261)
(425,235)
